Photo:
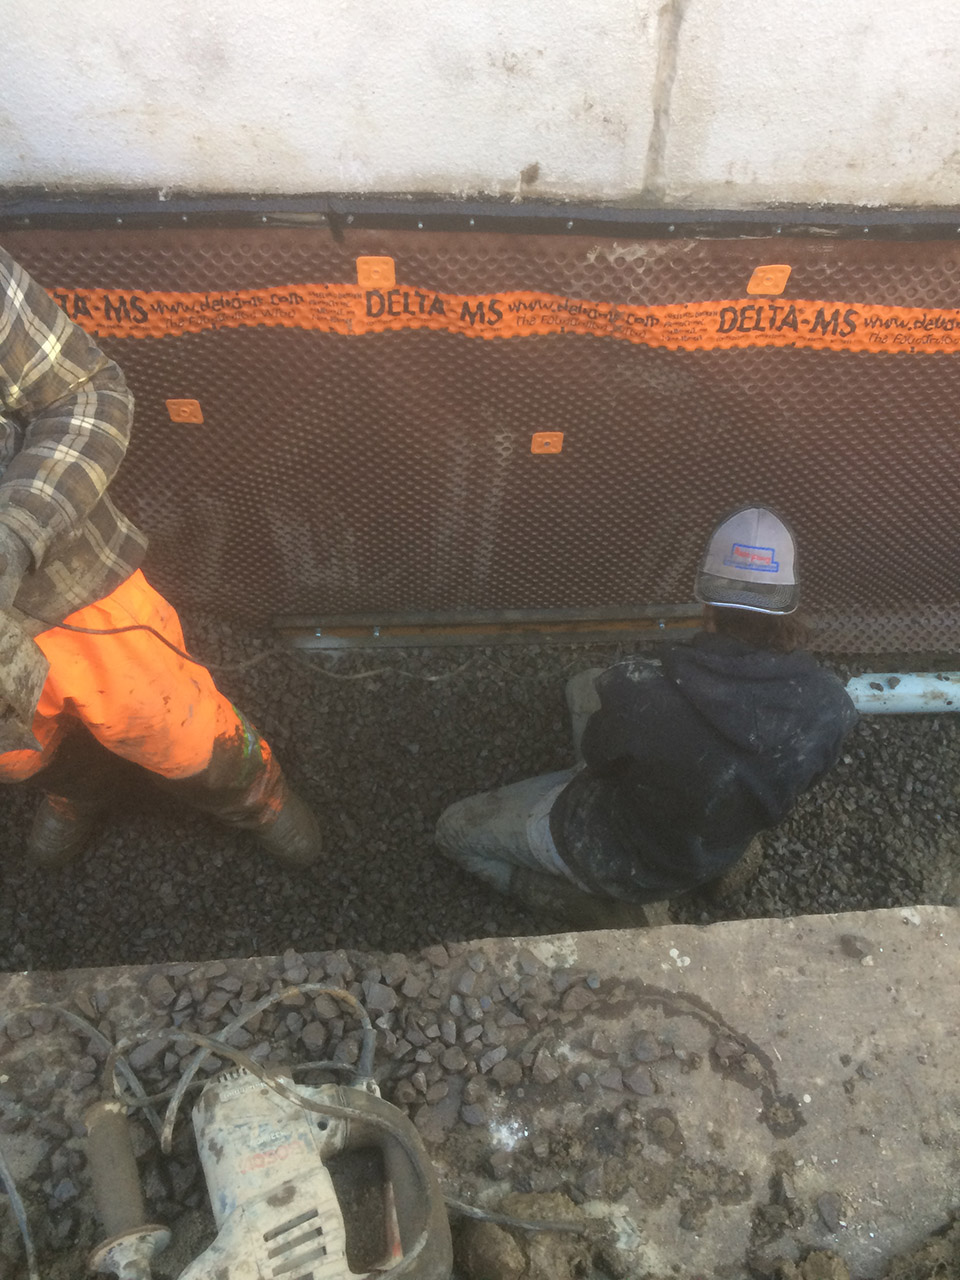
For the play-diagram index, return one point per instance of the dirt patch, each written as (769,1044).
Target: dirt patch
(937,1258)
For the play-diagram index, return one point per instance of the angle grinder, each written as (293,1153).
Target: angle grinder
(326,1183)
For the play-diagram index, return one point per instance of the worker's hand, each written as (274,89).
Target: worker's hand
(14,560)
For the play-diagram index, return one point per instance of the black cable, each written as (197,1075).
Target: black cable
(142,626)
(299,1068)
(563,1225)
(276,651)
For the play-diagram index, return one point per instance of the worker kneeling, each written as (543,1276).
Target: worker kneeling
(681,762)
(115,685)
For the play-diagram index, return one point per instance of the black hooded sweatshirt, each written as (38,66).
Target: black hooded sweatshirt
(686,763)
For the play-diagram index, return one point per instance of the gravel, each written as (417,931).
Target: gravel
(379,756)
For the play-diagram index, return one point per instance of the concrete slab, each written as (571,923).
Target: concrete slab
(823,1069)
(704,1100)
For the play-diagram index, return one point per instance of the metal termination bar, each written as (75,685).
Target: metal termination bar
(507,627)
(27,208)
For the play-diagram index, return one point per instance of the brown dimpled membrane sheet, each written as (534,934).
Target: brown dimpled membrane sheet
(559,441)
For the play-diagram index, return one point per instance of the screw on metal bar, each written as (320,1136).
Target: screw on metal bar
(473,222)
(569,226)
(376,631)
(349,217)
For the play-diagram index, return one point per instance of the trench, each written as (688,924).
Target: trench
(379,743)
(550,1086)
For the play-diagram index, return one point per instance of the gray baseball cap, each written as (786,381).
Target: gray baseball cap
(750,563)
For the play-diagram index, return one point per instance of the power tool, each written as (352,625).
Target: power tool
(325,1183)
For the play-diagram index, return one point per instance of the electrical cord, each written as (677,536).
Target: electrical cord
(346,1112)
(505,1220)
(10,1187)
(363,1071)
(6,1177)
(143,626)
(276,651)
(82,1024)
(283,651)
(297,1069)
(116,1066)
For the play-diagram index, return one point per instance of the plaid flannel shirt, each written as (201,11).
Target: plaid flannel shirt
(65,417)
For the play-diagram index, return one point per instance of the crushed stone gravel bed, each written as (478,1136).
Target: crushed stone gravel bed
(379,756)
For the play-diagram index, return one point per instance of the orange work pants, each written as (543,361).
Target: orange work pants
(148,705)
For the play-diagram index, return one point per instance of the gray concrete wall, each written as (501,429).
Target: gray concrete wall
(732,103)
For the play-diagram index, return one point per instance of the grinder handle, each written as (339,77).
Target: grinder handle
(113,1169)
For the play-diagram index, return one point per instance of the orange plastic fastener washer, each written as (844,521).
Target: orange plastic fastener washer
(376,273)
(769,279)
(546,442)
(185,411)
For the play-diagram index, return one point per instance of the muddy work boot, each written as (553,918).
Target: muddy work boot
(244,787)
(61,831)
(736,880)
(293,838)
(577,910)
(79,785)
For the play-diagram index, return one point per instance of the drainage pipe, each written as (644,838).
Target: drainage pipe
(905,693)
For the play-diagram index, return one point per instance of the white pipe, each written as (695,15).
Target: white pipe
(905,693)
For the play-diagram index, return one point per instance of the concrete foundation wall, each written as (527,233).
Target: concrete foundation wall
(728,103)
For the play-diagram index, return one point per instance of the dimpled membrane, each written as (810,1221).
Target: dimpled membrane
(391,473)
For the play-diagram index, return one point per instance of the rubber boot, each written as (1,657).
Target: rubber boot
(735,880)
(293,838)
(61,831)
(244,787)
(79,784)
(542,892)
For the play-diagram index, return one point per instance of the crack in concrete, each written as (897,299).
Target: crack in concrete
(669,21)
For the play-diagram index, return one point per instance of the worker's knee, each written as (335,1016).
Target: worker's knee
(462,825)
(464,836)
(447,834)
(581,692)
